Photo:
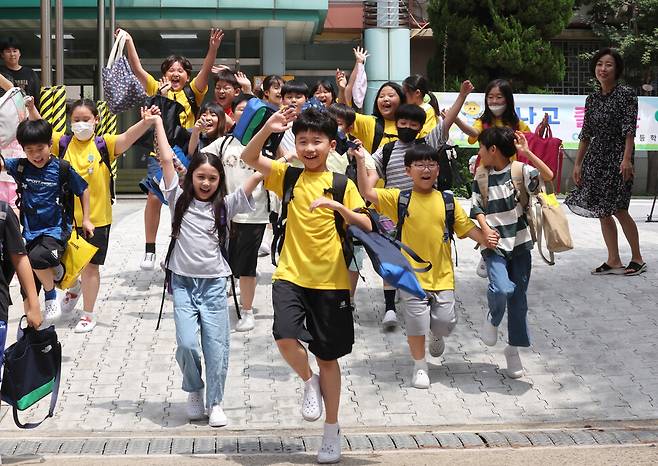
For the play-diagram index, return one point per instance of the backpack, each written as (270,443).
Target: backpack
(255,115)
(386,256)
(223,223)
(522,197)
(378,133)
(65,198)
(101,146)
(191,98)
(445,178)
(337,190)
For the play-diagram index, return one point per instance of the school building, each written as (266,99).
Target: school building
(307,39)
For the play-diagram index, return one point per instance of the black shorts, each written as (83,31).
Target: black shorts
(243,247)
(100,239)
(45,252)
(322,318)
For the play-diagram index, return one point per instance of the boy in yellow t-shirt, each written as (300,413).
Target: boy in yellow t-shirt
(423,232)
(311,283)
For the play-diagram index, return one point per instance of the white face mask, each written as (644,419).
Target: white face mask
(82,130)
(497,110)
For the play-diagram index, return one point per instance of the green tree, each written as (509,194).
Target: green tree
(483,40)
(632,27)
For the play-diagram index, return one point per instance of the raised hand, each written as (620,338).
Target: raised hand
(243,80)
(216,36)
(466,87)
(281,120)
(164,86)
(341,80)
(359,152)
(520,142)
(29,102)
(216,69)
(360,54)
(150,115)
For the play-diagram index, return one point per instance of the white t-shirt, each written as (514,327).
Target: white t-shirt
(197,252)
(237,172)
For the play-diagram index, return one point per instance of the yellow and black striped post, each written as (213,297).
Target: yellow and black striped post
(107,125)
(53,106)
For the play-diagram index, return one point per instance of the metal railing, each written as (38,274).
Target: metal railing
(386,14)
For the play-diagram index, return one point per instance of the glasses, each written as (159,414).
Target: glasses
(425,166)
(227,88)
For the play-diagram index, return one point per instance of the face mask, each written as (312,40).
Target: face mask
(83,130)
(407,134)
(497,110)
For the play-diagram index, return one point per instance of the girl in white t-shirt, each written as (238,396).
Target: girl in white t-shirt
(201,211)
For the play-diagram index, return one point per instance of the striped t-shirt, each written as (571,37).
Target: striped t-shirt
(504,212)
(396,174)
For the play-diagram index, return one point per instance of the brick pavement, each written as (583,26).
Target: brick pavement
(593,353)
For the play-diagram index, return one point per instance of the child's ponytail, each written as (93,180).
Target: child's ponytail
(420,83)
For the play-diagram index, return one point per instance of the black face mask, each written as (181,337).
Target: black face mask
(407,134)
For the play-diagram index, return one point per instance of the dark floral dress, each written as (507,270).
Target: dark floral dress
(609,118)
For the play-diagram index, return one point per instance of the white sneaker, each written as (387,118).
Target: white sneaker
(148,263)
(195,408)
(68,299)
(514,364)
(482,269)
(264,249)
(85,324)
(488,333)
(421,378)
(246,323)
(390,319)
(329,451)
(217,417)
(437,346)
(53,310)
(312,401)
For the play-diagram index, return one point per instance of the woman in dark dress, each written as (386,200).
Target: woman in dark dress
(604,165)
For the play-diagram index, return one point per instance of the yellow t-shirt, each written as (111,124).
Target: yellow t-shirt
(364,130)
(477,124)
(86,161)
(430,120)
(423,232)
(312,256)
(187,117)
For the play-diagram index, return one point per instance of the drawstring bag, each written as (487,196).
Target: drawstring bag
(551,225)
(32,369)
(77,255)
(12,112)
(123,90)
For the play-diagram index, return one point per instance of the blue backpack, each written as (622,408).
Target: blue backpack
(386,256)
(253,118)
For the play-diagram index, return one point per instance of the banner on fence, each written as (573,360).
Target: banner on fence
(565,113)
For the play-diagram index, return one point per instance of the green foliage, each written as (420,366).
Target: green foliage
(485,39)
(631,26)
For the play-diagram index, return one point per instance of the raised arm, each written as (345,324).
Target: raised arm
(365,184)
(133,59)
(5,84)
(244,82)
(278,123)
(165,153)
(216,36)
(126,139)
(360,55)
(251,183)
(453,112)
(32,112)
(341,84)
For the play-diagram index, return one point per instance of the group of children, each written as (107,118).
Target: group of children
(221,194)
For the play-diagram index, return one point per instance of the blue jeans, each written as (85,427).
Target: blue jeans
(200,307)
(508,284)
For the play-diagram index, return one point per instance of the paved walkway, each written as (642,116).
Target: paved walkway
(593,354)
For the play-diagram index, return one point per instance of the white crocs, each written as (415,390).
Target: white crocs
(312,401)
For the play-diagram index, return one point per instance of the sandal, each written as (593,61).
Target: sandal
(605,269)
(633,268)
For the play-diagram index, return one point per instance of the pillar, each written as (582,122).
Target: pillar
(273,46)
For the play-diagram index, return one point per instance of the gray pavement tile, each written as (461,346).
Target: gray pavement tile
(581,437)
(516,439)
(312,443)
(182,446)
(560,438)
(403,441)
(358,442)
(448,440)
(248,445)
(292,444)
(646,436)
(227,445)
(160,446)
(470,440)
(27,447)
(137,447)
(204,446)
(71,447)
(381,442)
(539,439)
(93,447)
(116,447)
(270,444)
(603,437)
(49,447)
(494,439)
(427,440)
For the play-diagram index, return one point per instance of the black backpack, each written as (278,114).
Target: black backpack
(448,201)
(191,98)
(65,198)
(445,179)
(337,190)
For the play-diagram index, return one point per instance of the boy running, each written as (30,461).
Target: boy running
(500,209)
(46,219)
(311,283)
(424,231)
